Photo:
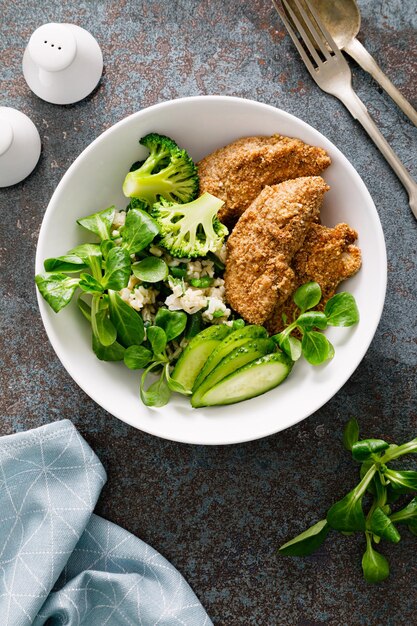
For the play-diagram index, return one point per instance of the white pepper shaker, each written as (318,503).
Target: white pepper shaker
(62,63)
(20,146)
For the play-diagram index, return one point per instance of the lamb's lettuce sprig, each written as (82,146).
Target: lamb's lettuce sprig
(152,356)
(355,513)
(340,310)
(103,270)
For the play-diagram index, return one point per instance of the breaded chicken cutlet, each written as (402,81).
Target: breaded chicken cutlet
(238,172)
(259,277)
(327,256)
(278,245)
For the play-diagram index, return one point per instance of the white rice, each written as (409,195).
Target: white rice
(221,253)
(190,299)
(198,269)
(215,305)
(138,296)
(184,296)
(119,220)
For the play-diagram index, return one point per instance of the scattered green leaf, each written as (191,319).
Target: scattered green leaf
(347,514)
(408,514)
(172,322)
(157,338)
(307,542)
(69,263)
(364,449)
(375,566)
(380,524)
(138,231)
(406,479)
(89,284)
(194,325)
(158,393)
(115,352)
(312,319)
(316,347)
(291,346)
(351,434)
(375,519)
(341,310)
(56,288)
(99,223)
(117,272)
(127,322)
(151,269)
(137,357)
(307,296)
(178,272)
(175,385)
(84,307)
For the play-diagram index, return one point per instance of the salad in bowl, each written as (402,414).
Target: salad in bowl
(152,284)
(231,334)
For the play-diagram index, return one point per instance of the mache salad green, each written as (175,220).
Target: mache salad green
(373,509)
(151,287)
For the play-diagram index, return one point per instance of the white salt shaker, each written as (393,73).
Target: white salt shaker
(62,63)
(20,146)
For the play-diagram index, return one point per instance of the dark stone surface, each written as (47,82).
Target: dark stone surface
(218,513)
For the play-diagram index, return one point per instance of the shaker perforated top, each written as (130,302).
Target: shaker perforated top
(62,63)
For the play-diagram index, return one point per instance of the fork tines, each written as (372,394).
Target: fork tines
(319,46)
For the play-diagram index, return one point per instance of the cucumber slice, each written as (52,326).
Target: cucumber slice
(237,338)
(236,359)
(196,354)
(249,381)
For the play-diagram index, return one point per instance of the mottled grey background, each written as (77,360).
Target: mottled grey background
(218,513)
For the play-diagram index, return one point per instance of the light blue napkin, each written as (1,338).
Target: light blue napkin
(62,565)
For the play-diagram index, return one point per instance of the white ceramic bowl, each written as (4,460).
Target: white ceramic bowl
(94,181)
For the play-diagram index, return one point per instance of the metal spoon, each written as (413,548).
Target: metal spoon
(342,19)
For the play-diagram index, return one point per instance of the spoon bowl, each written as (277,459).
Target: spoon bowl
(342,19)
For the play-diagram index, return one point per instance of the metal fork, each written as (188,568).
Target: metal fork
(331,72)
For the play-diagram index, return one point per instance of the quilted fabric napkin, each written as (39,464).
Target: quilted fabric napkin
(61,564)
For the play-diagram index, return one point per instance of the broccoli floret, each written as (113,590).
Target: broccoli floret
(135,203)
(167,173)
(192,229)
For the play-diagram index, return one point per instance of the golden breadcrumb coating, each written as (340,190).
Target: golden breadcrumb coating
(238,172)
(327,256)
(259,277)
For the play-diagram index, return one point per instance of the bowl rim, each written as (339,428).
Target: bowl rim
(378,305)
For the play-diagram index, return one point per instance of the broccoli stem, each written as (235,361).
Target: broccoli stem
(152,161)
(147,187)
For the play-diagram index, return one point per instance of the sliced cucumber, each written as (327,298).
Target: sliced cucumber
(237,338)
(196,354)
(249,381)
(248,352)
